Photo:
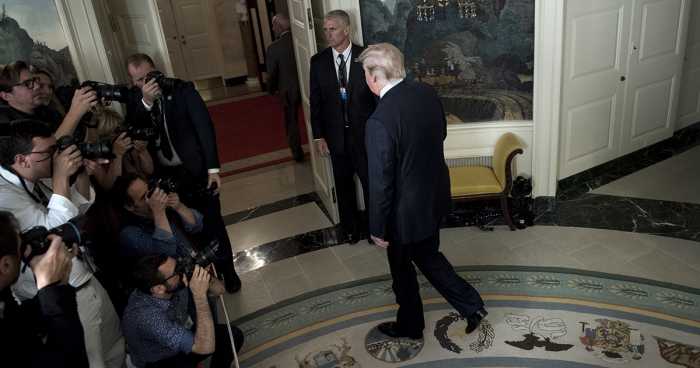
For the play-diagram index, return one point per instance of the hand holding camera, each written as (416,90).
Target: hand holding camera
(173,201)
(83,100)
(67,162)
(53,266)
(157,200)
(198,282)
(122,144)
(151,91)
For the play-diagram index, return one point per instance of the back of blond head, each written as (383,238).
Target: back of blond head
(384,61)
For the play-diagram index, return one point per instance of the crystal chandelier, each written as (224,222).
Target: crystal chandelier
(425,10)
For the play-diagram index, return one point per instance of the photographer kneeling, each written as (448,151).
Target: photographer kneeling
(155,220)
(53,312)
(158,320)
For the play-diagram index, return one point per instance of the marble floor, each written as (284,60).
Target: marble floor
(285,247)
(675,179)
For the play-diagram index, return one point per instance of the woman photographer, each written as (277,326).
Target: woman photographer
(130,156)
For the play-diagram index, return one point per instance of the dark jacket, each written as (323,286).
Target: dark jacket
(326,114)
(9,114)
(51,315)
(189,126)
(409,184)
(282,70)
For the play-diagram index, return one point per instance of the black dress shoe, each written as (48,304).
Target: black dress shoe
(391,329)
(232,283)
(352,238)
(474,320)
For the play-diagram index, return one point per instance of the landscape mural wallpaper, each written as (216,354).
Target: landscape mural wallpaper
(478,54)
(31,30)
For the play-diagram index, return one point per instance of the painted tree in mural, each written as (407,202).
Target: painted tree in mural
(482,66)
(17,44)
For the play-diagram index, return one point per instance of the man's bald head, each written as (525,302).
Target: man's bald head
(280,24)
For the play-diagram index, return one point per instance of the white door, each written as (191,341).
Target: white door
(172,40)
(301,19)
(595,58)
(689,104)
(657,47)
(193,26)
(139,31)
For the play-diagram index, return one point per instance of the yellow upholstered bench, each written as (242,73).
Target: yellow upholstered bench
(480,182)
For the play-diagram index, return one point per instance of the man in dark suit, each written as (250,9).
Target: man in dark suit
(340,106)
(282,71)
(409,191)
(185,149)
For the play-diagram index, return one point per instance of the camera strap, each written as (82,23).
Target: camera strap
(41,199)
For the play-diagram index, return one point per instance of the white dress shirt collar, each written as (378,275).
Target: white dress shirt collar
(389,86)
(14,179)
(346,54)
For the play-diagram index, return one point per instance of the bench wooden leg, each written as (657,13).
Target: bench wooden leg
(506,213)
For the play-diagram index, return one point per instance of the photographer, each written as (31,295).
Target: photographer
(156,221)
(19,88)
(35,186)
(129,155)
(158,319)
(45,332)
(185,148)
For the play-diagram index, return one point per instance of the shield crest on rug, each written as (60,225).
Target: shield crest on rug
(336,356)
(613,340)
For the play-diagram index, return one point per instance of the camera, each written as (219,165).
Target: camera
(36,237)
(139,133)
(203,258)
(165,83)
(109,92)
(168,185)
(90,151)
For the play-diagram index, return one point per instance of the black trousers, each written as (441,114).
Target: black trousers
(345,166)
(222,357)
(291,124)
(193,194)
(437,269)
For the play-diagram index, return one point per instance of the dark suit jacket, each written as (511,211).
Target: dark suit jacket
(189,126)
(282,70)
(326,114)
(409,184)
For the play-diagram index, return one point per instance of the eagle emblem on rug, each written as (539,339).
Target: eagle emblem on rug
(612,340)
(539,332)
(678,353)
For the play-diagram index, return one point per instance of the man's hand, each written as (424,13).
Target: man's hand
(158,201)
(83,100)
(322,147)
(214,179)
(173,201)
(380,242)
(140,146)
(54,265)
(91,167)
(199,284)
(122,145)
(151,91)
(67,162)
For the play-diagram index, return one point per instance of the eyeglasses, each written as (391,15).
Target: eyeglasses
(29,83)
(49,151)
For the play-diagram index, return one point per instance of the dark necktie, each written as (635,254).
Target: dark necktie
(158,116)
(40,194)
(343,79)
